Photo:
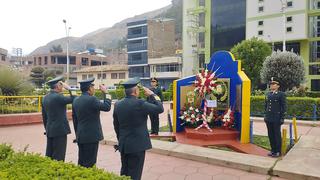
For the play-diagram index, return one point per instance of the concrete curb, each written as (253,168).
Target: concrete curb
(288,121)
(250,163)
(303,160)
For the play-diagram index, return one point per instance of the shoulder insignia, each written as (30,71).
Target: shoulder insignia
(157,98)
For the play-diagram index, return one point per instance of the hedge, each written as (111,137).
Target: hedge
(301,107)
(24,165)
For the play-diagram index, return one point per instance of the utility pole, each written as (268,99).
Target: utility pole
(67,36)
(283,8)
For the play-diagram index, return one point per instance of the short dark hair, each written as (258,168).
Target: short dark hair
(84,88)
(129,91)
(53,86)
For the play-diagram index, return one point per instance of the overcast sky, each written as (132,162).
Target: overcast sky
(28,24)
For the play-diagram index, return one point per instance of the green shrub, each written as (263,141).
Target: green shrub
(166,96)
(5,151)
(313,94)
(32,166)
(301,107)
(99,94)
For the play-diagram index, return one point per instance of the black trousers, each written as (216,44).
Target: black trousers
(88,154)
(132,164)
(274,134)
(56,147)
(154,123)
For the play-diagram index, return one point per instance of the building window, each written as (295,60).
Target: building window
(315,84)
(260,33)
(260,9)
(289,29)
(90,76)
(289,4)
(104,76)
(46,60)
(260,1)
(260,23)
(34,61)
(114,75)
(84,61)
(3,58)
(84,76)
(39,61)
(99,76)
(122,75)
(314,69)
(289,19)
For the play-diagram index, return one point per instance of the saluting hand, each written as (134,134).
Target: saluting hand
(65,85)
(147,91)
(103,88)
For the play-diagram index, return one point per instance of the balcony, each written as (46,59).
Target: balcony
(136,47)
(131,36)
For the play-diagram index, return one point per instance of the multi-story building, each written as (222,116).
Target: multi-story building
(3,56)
(148,39)
(109,75)
(58,61)
(298,25)
(209,26)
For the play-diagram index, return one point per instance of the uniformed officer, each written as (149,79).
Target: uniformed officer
(130,124)
(275,109)
(54,107)
(155,117)
(87,121)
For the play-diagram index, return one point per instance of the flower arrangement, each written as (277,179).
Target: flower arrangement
(205,83)
(190,115)
(228,119)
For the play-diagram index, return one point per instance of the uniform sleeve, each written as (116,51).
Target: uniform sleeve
(283,105)
(74,119)
(155,107)
(115,122)
(44,116)
(159,93)
(265,102)
(67,99)
(103,106)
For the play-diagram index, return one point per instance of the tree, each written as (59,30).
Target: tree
(37,76)
(252,53)
(288,67)
(13,83)
(56,48)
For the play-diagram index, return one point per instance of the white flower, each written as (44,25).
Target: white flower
(190,108)
(197,119)
(181,117)
(197,110)
(185,113)
(188,119)
(192,116)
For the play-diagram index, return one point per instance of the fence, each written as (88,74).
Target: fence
(20,104)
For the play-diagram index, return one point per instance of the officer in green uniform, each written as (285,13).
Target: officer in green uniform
(130,117)
(54,107)
(87,121)
(275,109)
(155,117)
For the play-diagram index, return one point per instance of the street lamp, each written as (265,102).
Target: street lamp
(283,8)
(67,36)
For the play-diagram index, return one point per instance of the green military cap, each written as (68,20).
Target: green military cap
(54,81)
(132,82)
(274,80)
(86,83)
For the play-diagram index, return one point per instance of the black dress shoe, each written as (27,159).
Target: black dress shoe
(276,154)
(270,153)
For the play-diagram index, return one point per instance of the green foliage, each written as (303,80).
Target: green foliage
(32,166)
(252,53)
(262,141)
(301,107)
(288,67)
(5,151)
(99,94)
(166,96)
(37,76)
(13,83)
(170,90)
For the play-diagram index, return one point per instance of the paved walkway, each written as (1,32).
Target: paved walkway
(156,166)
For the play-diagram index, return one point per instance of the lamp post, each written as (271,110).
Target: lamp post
(272,43)
(283,8)
(67,36)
